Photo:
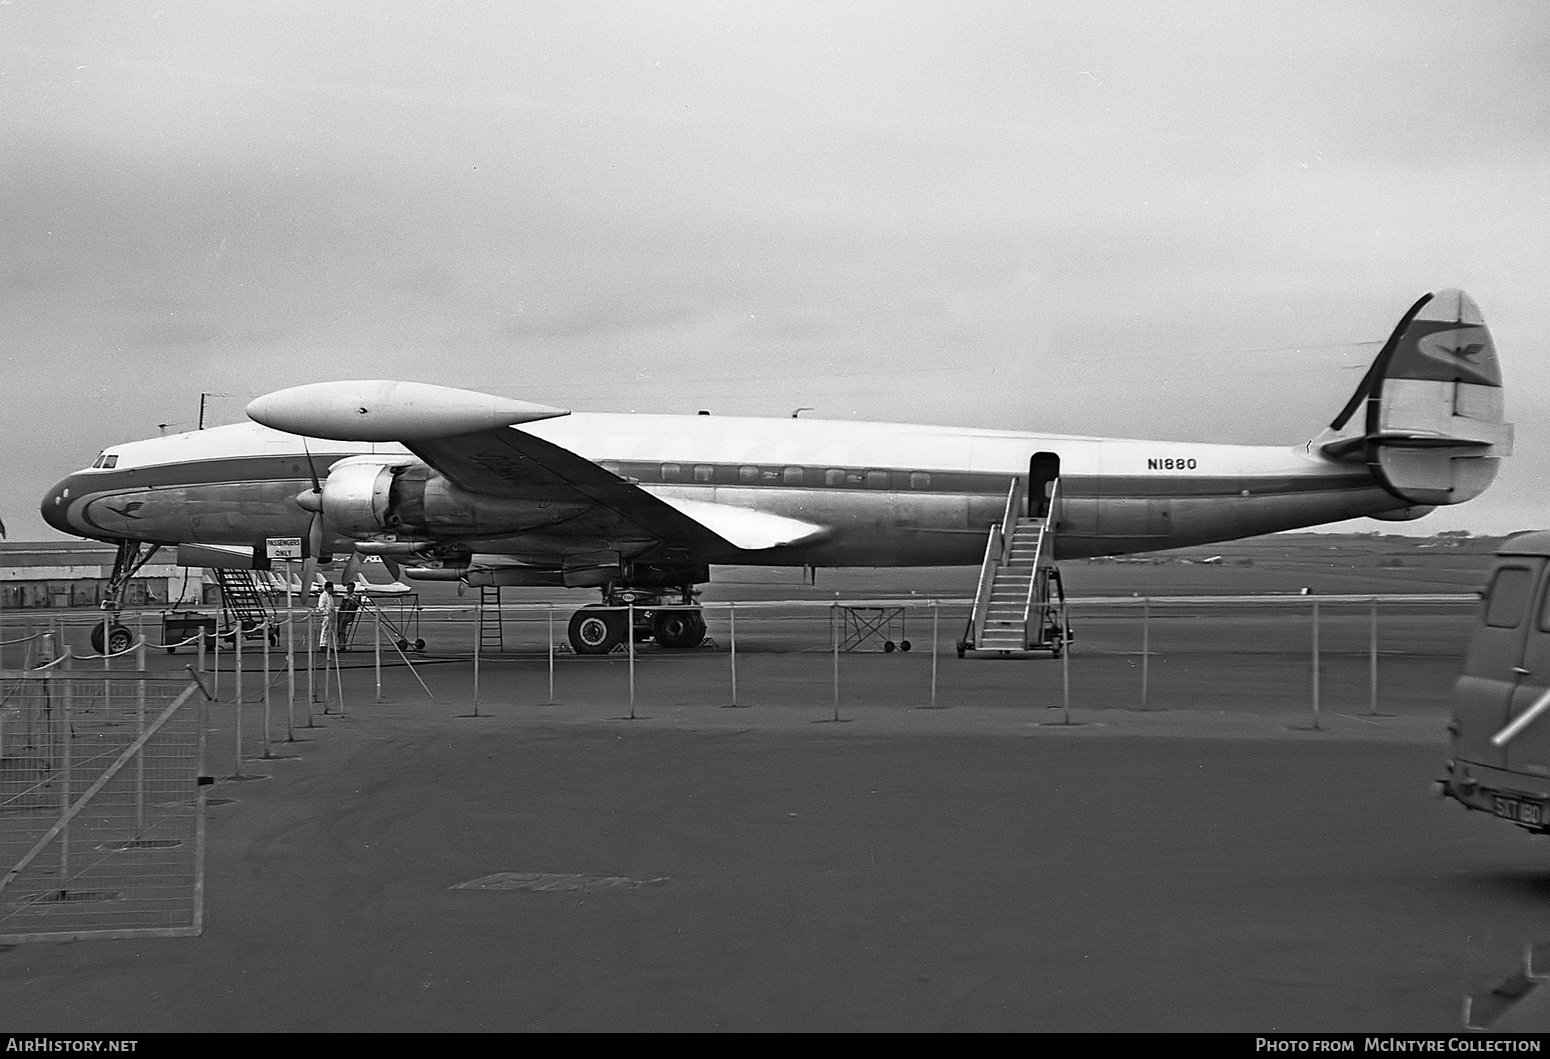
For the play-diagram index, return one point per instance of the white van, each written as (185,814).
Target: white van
(1500,747)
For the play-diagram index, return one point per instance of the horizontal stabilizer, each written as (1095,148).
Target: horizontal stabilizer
(743,527)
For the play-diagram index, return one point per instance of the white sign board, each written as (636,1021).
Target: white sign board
(283,547)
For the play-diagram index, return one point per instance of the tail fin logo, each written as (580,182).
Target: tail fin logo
(1447,351)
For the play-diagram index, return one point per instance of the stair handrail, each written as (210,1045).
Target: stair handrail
(1038,560)
(1015,502)
(976,626)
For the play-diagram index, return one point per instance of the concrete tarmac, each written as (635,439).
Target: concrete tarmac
(973,867)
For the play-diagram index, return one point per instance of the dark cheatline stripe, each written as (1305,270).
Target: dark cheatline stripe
(293,467)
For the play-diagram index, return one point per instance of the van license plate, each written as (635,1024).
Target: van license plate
(1518,810)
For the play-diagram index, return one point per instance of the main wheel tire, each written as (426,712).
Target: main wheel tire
(904,645)
(678,628)
(419,645)
(596,632)
(887,647)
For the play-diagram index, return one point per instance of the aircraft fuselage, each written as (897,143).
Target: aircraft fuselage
(885,494)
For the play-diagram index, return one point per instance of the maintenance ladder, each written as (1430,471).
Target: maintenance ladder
(491,637)
(1019,605)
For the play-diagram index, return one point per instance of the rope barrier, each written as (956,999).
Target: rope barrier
(115,654)
(23,639)
(68,653)
(172,646)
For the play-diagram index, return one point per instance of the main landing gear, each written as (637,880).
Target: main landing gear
(598,629)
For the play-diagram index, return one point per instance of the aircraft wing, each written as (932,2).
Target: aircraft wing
(474,441)
(508,462)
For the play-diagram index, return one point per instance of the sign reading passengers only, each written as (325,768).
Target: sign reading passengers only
(283,547)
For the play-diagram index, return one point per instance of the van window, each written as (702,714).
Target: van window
(704,472)
(1507,599)
(671,472)
(1544,613)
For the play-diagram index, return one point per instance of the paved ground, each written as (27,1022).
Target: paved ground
(970,867)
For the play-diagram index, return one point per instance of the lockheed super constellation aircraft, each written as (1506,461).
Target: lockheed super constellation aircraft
(454,485)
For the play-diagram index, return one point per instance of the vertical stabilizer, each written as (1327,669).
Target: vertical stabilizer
(1435,428)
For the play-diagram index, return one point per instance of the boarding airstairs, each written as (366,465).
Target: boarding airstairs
(1019,607)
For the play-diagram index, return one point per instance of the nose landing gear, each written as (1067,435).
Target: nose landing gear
(108,636)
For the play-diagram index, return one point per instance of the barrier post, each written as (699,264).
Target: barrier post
(1372,659)
(107,646)
(201,648)
(834,639)
(936,614)
(629,638)
(1146,647)
(140,731)
(1315,663)
(478,622)
(1065,667)
(551,654)
(215,661)
(267,753)
(732,641)
(313,647)
(290,659)
(376,642)
(237,639)
(64,789)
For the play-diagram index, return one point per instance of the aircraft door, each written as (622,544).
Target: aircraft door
(1043,469)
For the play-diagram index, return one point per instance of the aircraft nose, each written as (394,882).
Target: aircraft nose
(56,506)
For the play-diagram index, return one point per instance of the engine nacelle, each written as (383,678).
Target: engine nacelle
(367,497)
(355,499)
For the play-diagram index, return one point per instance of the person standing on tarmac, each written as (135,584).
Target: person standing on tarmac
(348,608)
(328,635)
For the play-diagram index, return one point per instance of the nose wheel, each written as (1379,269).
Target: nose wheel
(119,638)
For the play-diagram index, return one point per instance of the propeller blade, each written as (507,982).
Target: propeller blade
(314,555)
(317,487)
(395,571)
(309,574)
(352,568)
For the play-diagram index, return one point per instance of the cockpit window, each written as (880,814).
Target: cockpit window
(109,462)
(98,461)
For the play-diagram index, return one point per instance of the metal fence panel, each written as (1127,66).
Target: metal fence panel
(101,809)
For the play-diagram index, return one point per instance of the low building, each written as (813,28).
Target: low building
(58,574)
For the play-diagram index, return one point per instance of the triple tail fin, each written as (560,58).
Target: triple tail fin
(1434,429)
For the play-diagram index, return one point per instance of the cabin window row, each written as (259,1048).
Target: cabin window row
(750,474)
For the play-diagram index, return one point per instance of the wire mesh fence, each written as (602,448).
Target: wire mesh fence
(1270,654)
(101,806)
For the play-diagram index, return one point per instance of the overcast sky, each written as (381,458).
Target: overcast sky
(1179,221)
